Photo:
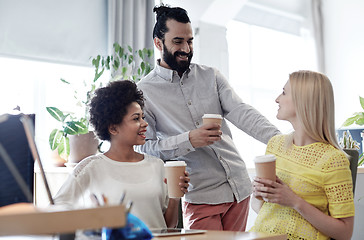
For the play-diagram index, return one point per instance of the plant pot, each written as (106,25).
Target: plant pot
(82,146)
(56,159)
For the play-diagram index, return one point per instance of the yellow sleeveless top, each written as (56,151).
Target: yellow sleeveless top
(318,173)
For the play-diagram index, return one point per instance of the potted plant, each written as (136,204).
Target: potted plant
(124,63)
(357,118)
(347,141)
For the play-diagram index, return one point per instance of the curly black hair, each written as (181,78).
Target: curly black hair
(164,13)
(109,105)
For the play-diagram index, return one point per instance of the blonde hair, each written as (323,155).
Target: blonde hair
(313,98)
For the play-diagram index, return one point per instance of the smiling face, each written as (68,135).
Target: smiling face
(286,109)
(131,131)
(177,46)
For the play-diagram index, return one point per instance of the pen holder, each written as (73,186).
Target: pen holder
(134,229)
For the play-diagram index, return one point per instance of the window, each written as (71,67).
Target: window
(260,60)
(34,85)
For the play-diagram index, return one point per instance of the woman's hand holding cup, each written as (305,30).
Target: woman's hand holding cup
(177,178)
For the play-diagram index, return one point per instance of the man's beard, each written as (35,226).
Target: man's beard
(170,59)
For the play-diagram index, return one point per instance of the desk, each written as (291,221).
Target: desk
(29,237)
(224,235)
(14,220)
(209,235)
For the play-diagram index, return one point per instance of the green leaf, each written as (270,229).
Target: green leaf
(148,69)
(56,113)
(123,70)
(75,127)
(107,62)
(357,118)
(361,159)
(64,81)
(98,75)
(64,147)
(120,52)
(130,49)
(361,102)
(116,64)
(349,121)
(116,47)
(131,59)
(141,54)
(84,121)
(54,138)
(360,120)
(97,61)
(150,53)
(145,52)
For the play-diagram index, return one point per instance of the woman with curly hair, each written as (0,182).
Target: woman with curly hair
(116,113)
(312,197)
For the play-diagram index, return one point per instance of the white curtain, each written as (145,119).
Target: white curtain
(317,29)
(64,31)
(130,22)
(73,31)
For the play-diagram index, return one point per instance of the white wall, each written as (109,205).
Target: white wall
(344,53)
(210,44)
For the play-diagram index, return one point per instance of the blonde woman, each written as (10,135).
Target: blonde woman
(312,197)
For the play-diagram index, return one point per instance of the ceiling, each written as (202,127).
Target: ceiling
(221,11)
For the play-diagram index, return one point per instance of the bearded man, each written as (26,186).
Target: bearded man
(178,93)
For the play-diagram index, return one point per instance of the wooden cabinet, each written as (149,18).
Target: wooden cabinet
(56,176)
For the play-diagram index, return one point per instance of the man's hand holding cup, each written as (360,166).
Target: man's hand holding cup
(208,133)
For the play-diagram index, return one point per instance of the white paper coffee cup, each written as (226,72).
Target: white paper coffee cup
(211,118)
(265,166)
(173,170)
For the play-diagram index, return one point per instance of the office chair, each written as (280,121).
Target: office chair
(353,159)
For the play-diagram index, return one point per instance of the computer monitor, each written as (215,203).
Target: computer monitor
(14,142)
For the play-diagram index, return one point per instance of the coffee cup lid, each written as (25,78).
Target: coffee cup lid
(212,116)
(265,158)
(175,164)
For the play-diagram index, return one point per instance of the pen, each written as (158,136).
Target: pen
(128,207)
(104,198)
(94,199)
(122,197)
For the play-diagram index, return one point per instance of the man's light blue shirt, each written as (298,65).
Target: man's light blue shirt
(175,105)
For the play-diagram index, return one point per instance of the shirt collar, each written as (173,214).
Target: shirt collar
(168,74)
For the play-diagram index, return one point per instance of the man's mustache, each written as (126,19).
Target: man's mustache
(183,54)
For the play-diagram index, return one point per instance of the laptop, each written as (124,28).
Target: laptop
(161,232)
(29,132)
(16,161)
